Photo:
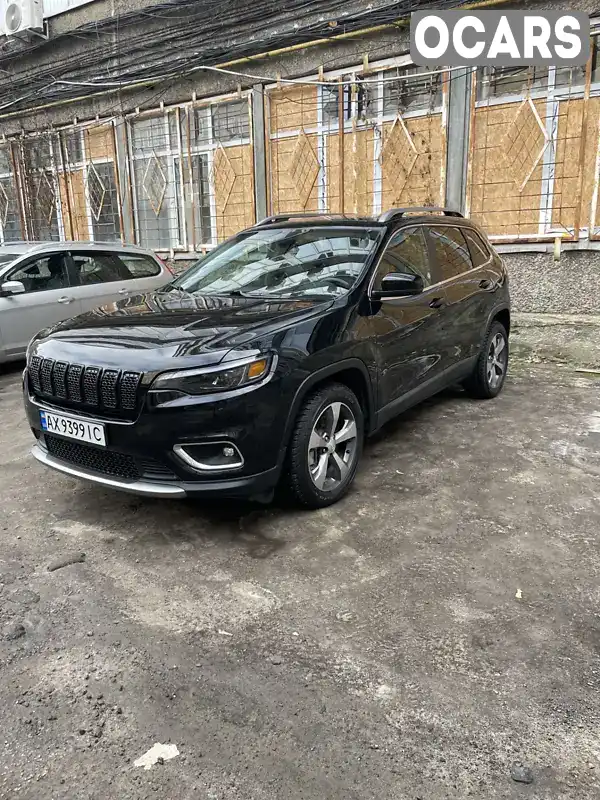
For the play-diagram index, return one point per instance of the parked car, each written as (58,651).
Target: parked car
(272,357)
(42,283)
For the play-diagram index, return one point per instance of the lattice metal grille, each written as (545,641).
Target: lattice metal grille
(96,191)
(45,197)
(398,155)
(155,183)
(531,169)
(222,175)
(524,143)
(304,168)
(4,205)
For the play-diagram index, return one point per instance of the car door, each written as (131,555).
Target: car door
(463,282)
(48,299)
(406,330)
(100,278)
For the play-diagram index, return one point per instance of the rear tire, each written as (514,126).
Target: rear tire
(325,447)
(489,374)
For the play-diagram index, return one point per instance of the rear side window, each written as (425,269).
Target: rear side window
(451,251)
(406,252)
(479,252)
(140,266)
(98,268)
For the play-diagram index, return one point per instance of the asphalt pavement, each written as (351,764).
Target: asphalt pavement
(434,635)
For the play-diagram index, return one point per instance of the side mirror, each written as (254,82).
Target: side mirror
(399,284)
(9,288)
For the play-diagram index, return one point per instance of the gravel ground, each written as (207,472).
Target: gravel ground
(435,635)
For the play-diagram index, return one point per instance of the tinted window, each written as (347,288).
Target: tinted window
(406,252)
(43,275)
(451,251)
(478,250)
(101,268)
(140,266)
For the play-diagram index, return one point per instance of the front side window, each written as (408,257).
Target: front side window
(284,263)
(92,269)
(451,251)
(406,252)
(43,274)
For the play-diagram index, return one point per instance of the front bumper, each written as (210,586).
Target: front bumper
(253,422)
(253,486)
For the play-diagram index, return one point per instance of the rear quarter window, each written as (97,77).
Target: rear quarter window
(480,252)
(140,266)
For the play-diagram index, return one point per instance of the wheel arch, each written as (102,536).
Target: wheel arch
(501,315)
(351,372)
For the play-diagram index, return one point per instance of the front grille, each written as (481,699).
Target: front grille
(111,391)
(106,462)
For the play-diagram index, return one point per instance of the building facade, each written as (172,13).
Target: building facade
(103,138)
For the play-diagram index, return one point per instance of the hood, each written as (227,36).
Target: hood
(170,330)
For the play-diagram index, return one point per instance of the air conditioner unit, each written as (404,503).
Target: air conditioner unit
(21,17)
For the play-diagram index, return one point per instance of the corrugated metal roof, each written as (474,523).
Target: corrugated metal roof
(52,8)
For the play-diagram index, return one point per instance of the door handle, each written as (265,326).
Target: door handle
(65,300)
(123,291)
(486,284)
(437,302)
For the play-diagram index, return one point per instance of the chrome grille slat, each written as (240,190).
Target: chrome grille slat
(115,393)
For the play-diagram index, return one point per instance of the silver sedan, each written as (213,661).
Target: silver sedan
(42,283)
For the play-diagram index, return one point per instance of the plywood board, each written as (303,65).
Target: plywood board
(76,206)
(293,108)
(495,200)
(567,182)
(235,208)
(99,143)
(358,171)
(424,184)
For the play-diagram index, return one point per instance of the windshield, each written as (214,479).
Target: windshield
(284,262)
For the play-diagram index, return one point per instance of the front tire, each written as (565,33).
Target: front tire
(325,447)
(487,379)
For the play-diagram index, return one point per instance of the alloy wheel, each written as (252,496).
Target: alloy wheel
(332,446)
(496,361)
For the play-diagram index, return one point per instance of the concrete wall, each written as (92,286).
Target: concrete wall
(539,284)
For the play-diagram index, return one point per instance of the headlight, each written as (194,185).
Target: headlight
(211,380)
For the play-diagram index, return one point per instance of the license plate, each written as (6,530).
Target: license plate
(73,428)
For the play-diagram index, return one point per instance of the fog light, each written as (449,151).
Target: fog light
(210,456)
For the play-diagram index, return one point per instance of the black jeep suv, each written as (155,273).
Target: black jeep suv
(272,356)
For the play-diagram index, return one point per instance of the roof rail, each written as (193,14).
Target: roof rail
(397,213)
(299,215)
